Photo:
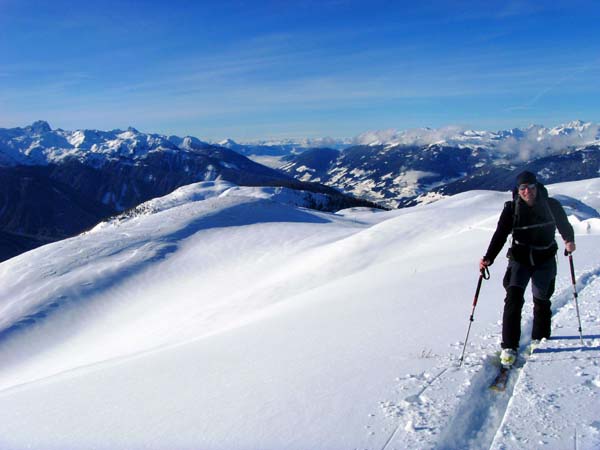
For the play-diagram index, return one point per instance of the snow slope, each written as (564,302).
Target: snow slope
(226,318)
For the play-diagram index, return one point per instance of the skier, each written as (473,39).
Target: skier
(532,217)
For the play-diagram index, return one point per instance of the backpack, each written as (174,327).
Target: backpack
(525,249)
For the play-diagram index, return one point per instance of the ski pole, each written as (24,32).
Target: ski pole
(485,275)
(570,255)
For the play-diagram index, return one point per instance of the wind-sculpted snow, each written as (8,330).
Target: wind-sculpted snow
(228,318)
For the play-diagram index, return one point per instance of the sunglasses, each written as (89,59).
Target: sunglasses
(530,186)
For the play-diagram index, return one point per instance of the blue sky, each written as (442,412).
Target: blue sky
(274,69)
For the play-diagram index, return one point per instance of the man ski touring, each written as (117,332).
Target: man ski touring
(532,217)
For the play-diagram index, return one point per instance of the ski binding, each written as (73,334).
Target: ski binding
(499,383)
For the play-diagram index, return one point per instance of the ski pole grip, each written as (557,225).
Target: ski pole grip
(485,273)
(572,267)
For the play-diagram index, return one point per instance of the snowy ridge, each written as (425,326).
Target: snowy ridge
(220,318)
(209,189)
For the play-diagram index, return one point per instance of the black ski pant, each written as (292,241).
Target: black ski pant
(516,279)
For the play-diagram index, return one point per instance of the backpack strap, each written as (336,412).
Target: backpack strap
(543,197)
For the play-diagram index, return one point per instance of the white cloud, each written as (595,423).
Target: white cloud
(538,141)
(518,144)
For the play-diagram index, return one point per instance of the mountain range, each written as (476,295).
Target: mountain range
(532,141)
(400,169)
(58,183)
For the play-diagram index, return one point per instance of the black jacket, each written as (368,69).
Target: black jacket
(533,229)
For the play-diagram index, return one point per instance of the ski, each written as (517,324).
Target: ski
(499,383)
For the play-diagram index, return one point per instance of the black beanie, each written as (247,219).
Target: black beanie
(526,178)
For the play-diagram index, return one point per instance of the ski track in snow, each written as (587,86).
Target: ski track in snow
(478,417)
(561,375)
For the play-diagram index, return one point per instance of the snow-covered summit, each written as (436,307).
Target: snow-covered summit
(39,144)
(578,127)
(188,142)
(39,127)
(228,143)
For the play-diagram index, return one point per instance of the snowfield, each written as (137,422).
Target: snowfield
(220,317)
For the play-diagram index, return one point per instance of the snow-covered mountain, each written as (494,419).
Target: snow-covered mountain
(525,143)
(224,317)
(514,142)
(579,164)
(387,174)
(401,168)
(38,143)
(57,183)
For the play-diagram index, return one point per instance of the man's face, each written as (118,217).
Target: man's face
(528,192)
